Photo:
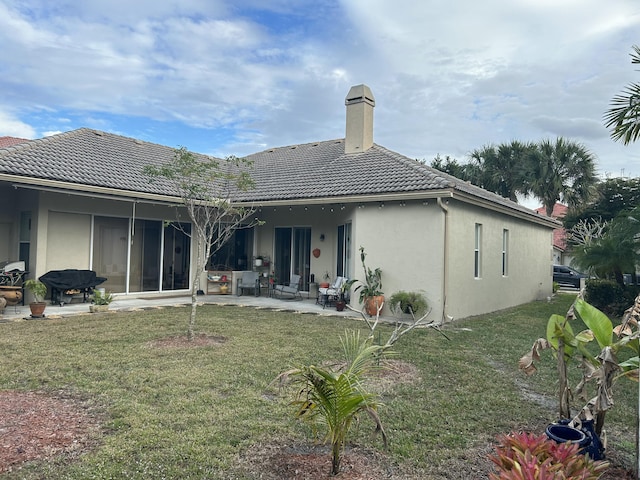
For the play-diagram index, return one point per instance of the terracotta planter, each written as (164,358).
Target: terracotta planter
(37,309)
(12,294)
(324,284)
(371,304)
(340,304)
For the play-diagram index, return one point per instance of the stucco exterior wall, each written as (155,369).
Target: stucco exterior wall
(529,275)
(407,244)
(68,241)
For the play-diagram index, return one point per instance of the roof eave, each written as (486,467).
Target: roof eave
(515,212)
(84,189)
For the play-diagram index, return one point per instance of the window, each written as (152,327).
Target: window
(25,238)
(343,267)
(477,253)
(505,252)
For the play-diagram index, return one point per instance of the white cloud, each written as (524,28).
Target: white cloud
(448,76)
(12,127)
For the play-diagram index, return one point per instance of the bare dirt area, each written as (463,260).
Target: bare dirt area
(35,426)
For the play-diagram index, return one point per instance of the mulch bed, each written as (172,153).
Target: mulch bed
(35,426)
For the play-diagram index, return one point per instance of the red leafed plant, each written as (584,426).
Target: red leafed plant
(525,456)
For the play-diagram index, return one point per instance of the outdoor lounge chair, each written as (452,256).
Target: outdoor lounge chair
(330,294)
(249,281)
(291,288)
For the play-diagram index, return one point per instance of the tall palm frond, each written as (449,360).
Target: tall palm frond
(623,118)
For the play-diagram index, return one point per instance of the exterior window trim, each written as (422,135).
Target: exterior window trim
(477,251)
(505,252)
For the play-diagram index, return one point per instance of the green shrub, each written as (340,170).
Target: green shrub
(602,293)
(610,297)
(408,302)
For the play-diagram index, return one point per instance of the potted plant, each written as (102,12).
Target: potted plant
(326,276)
(100,301)
(342,302)
(371,294)
(10,287)
(413,303)
(39,291)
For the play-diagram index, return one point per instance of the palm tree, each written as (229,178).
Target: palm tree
(502,169)
(561,171)
(624,115)
(333,398)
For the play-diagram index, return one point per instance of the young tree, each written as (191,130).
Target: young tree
(206,187)
(332,398)
(623,118)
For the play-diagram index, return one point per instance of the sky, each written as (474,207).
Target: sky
(236,77)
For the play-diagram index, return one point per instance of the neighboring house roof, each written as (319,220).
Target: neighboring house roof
(319,171)
(9,141)
(559,234)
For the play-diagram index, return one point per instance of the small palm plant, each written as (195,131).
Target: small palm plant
(332,399)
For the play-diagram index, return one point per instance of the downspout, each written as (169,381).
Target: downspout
(445,260)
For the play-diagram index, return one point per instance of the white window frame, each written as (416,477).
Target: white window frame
(505,252)
(477,252)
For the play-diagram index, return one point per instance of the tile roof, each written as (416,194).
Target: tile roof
(8,141)
(319,170)
(559,234)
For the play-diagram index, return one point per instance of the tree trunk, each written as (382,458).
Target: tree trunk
(336,450)
(564,407)
(194,306)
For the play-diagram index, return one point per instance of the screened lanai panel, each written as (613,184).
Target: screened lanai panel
(146,241)
(110,244)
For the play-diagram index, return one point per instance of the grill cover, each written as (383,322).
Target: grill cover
(71,279)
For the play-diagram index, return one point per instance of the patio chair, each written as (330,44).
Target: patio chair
(328,295)
(291,288)
(249,281)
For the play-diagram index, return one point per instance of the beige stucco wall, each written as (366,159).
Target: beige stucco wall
(68,241)
(407,244)
(529,271)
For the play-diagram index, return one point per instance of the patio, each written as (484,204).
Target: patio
(124,303)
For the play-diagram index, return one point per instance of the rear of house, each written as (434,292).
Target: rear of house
(80,200)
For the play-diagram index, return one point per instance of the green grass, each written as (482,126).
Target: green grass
(189,413)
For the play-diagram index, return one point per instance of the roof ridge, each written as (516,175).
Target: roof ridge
(298,145)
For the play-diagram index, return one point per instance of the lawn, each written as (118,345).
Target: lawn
(199,413)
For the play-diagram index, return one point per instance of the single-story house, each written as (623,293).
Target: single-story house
(80,200)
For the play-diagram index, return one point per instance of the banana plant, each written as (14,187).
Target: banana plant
(602,368)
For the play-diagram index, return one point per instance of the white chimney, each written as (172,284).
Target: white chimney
(360,104)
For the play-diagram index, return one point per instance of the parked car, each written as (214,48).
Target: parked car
(567,276)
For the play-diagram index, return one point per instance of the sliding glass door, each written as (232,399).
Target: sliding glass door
(293,254)
(142,258)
